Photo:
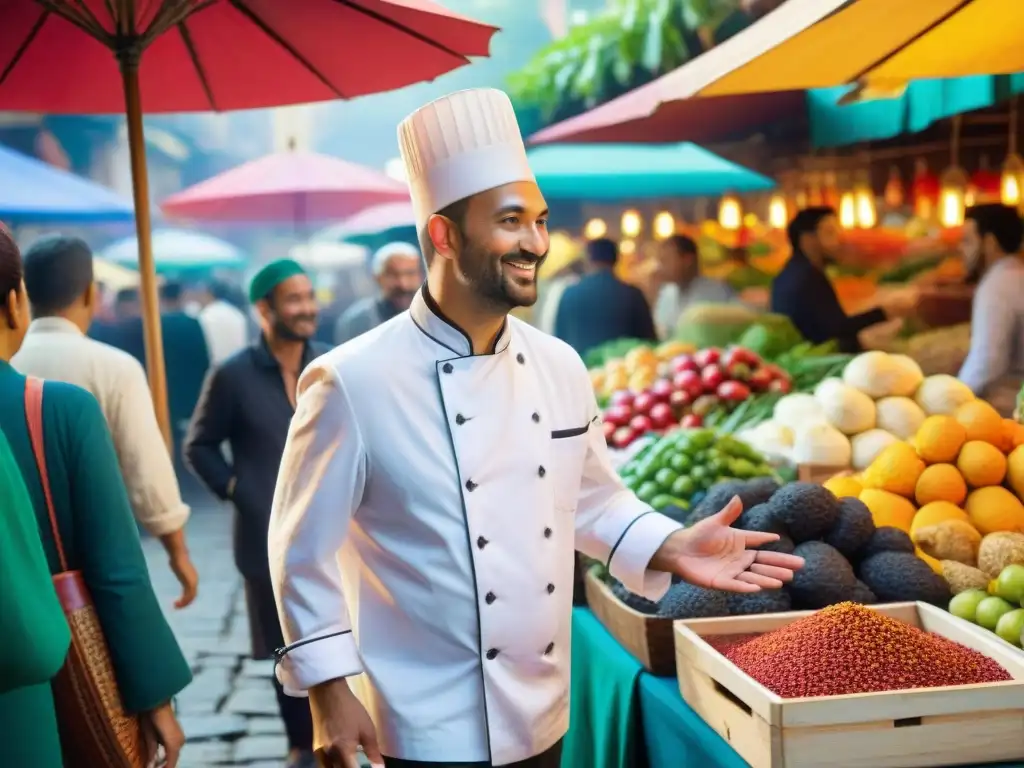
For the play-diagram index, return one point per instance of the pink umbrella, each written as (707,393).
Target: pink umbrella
(296,187)
(98,56)
(379,218)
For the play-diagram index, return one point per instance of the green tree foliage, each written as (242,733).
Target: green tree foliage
(631,43)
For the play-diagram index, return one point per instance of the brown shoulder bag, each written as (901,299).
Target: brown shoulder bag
(95,731)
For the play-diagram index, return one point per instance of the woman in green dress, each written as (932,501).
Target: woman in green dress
(100,539)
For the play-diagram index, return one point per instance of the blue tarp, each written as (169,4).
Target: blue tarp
(608,172)
(33,192)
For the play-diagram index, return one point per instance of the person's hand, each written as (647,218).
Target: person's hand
(163,729)
(188,577)
(341,725)
(714,555)
(901,302)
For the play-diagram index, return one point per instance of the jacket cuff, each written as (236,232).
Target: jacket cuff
(308,662)
(633,552)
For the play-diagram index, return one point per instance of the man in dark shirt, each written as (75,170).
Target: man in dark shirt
(248,402)
(803,292)
(600,307)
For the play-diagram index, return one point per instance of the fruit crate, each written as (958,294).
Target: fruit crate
(957,725)
(818,473)
(648,638)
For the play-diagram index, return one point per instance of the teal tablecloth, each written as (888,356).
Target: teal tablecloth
(622,717)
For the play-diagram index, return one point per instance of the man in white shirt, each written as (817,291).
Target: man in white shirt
(682,284)
(991,245)
(439,472)
(59,280)
(225,326)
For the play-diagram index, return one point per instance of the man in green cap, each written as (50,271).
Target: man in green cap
(247,402)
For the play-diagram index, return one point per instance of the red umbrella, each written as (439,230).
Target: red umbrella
(297,187)
(101,56)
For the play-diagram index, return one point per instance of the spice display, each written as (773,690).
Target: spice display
(847,648)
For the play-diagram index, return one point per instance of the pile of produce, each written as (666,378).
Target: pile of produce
(963,471)
(998,606)
(676,470)
(936,350)
(847,557)
(628,364)
(848,648)
(693,386)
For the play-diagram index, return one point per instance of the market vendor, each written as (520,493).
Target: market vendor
(803,292)
(991,244)
(438,473)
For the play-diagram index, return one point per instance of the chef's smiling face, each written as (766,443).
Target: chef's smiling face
(505,240)
(291,313)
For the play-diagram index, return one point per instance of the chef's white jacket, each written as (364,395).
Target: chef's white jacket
(423,527)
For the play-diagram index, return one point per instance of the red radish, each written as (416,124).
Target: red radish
(680,399)
(661,390)
(733,391)
(706,357)
(642,403)
(689,382)
(609,430)
(712,376)
(619,415)
(781,385)
(760,379)
(623,437)
(684,363)
(662,415)
(774,371)
(622,397)
(641,424)
(738,371)
(691,421)
(740,355)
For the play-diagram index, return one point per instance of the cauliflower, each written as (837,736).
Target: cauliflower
(769,437)
(826,385)
(942,394)
(822,444)
(899,415)
(880,374)
(847,409)
(867,445)
(799,410)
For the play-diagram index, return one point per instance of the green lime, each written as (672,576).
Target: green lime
(647,491)
(683,487)
(698,473)
(703,438)
(742,468)
(665,477)
(680,463)
(662,501)
(631,482)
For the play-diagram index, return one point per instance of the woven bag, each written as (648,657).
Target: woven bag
(95,731)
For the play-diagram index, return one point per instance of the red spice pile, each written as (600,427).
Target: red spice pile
(847,648)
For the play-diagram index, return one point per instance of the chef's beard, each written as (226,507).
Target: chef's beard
(482,270)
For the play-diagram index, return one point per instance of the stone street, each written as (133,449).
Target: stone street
(229,712)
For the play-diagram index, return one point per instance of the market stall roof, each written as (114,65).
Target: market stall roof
(802,45)
(623,171)
(177,250)
(388,221)
(34,192)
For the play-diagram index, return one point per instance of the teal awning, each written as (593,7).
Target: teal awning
(610,172)
(923,103)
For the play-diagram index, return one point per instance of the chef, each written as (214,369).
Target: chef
(438,473)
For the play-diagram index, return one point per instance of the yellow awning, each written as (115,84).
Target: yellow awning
(807,44)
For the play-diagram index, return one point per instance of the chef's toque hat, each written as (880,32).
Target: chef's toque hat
(460,145)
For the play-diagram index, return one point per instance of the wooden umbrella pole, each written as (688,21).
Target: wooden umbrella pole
(129,61)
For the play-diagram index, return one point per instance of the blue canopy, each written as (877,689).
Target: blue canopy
(178,250)
(33,192)
(607,172)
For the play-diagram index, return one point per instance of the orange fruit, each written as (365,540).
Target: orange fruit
(941,482)
(981,464)
(981,421)
(939,439)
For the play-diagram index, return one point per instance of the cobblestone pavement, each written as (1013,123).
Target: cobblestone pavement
(229,712)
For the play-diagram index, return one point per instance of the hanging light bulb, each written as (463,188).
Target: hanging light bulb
(847,211)
(864,205)
(631,224)
(1012,180)
(730,213)
(664,225)
(924,190)
(894,195)
(952,197)
(627,247)
(594,229)
(778,214)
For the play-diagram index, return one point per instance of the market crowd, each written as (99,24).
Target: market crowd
(407,491)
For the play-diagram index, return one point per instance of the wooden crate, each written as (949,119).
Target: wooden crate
(819,473)
(970,724)
(649,638)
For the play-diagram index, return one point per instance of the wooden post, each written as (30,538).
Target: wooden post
(129,62)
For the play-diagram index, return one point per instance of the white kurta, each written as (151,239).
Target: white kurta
(426,512)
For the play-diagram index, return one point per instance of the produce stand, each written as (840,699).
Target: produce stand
(622,716)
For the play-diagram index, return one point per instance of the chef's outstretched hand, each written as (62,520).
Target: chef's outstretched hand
(341,725)
(713,554)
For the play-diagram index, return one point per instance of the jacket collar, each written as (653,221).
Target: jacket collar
(429,318)
(54,325)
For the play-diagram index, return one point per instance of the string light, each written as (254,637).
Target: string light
(847,211)
(594,229)
(664,225)
(631,224)
(778,216)
(730,213)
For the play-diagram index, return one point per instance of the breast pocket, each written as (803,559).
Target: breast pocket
(568,452)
